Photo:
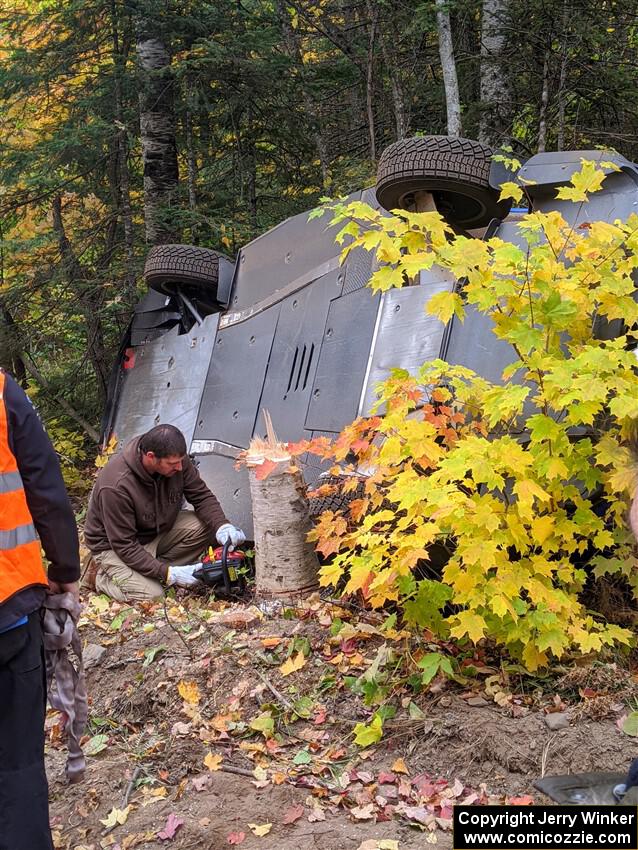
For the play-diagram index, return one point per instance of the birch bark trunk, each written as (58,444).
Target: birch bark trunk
(286,565)
(448,66)
(542,118)
(157,130)
(119,62)
(494,91)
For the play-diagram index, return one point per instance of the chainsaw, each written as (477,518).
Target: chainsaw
(223,570)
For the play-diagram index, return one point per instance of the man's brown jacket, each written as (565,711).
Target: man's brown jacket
(129,507)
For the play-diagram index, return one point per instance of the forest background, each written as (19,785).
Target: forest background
(128,123)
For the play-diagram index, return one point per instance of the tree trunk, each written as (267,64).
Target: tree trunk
(191,163)
(122,178)
(293,49)
(562,79)
(388,53)
(448,66)
(494,90)
(157,130)
(370,89)
(286,565)
(542,118)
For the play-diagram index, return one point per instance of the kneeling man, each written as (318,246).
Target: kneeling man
(138,535)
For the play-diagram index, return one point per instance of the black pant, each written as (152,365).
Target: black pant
(24,796)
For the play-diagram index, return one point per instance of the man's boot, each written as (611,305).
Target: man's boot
(89,572)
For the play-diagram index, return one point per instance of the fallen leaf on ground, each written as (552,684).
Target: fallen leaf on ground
(189,692)
(261,776)
(363,812)
(201,783)
(379,844)
(417,813)
(292,814)
(213,762)
(400,766)
(153,795)
(236,837)
(260,829)
(115,817)
(173,823)
(270,642)
(293,664)
(316,814)
(95,745)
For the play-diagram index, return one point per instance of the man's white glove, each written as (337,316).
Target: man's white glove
(229,532)
(183,576)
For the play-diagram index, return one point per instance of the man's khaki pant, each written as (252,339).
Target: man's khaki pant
(183,544)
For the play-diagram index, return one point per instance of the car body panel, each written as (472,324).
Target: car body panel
(305,339)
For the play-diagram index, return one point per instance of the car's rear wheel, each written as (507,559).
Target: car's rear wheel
(456,171)
(184,269)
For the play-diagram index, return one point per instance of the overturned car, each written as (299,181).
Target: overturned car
(287,328)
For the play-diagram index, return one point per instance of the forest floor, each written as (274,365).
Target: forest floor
(215,724)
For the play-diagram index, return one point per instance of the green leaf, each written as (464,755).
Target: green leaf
(117,622)
(304,706)
(302,757)
(95,745)
(365,736)
(415,713)
(387,712)
(630,724)
(264,723)
(430,664)
(151,654)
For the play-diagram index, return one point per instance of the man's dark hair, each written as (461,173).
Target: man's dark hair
(163,441)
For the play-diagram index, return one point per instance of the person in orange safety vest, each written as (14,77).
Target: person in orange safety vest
(34,512)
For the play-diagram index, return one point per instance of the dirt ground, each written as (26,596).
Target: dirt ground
(213,725)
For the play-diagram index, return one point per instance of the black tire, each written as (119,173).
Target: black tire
(336,501)
(455,170)
(193,271)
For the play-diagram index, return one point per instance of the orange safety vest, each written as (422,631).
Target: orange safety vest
(20,560)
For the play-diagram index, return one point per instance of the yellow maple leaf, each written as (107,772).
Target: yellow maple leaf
(470,624)
(213,762)
(260,829)
(189,692)
(512,190)
(116,817)
(542,527)
(400,766)
(293,664)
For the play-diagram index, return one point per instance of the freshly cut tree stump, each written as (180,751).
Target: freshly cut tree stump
(286,565)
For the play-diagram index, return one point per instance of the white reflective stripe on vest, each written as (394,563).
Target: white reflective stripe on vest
(10,482)
(18,536)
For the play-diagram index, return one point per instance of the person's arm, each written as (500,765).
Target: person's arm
(118,517)
(44,488)
(200,497)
